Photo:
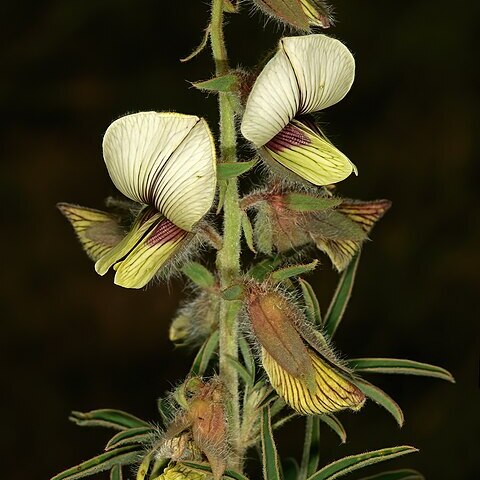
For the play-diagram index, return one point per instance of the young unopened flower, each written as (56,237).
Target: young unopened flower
(300,14)
(301,369)
(181,472)
(199,428)
(307,74)
(166,163)
(287,221)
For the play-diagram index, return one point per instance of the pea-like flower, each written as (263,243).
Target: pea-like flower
(307,74)
(299,363)
(165,162)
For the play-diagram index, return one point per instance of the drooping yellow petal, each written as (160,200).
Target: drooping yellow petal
(333,391)
(150,254)
(365,215)
(144,222)
(97,231)
(165,160)
(309,155)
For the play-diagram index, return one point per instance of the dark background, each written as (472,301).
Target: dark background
(72,340)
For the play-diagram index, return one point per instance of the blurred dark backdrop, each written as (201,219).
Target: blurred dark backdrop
(72,340)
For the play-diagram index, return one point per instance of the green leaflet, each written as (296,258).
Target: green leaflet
(227,170)
(313,307)
(405,474)
(380,397)
(224,83)
(247,356)
(334,423)
(204,355)
(248,232)
(199,275)
(100,463)
(351,463)
(132,435)
(234,292)
(107,417)
(401,366)
(311,448)
(293,271)
(242,371)
(290,469)
(260,271)
(116,473)
(301,202)
(203,467)
(269,451)
(342,296)
(165,409)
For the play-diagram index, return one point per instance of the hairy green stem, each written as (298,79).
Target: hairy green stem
(228,258)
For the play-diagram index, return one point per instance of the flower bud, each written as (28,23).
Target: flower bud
(309,378)
(287,220)
(207,416)
(195,321)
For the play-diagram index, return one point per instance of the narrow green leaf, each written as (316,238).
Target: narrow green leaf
(269,451)
(311,445)
(301,202)
(380,397)
(293,271)
(116,473)
(282,421)
(204,467)
(247,356)
(199,275)
(262,269)
(349,464)
(342,296)
(248,232)
(405,474)
(100,463)
(311,302)
(290,469)
(228,170)
(204,355)
(401,366)
(241,370)
(234,292)
(107,417)
(224,83)
(334,423)
(222,190)
(200,47)
(132,435)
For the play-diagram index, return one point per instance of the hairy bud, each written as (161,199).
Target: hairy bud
(303,370)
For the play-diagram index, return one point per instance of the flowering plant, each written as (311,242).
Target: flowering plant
(265,350)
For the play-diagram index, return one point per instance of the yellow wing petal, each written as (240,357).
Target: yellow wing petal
(309,155)
(97,231)
(333,391)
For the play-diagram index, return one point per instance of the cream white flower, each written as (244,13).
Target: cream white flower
(307,74)
(166,162)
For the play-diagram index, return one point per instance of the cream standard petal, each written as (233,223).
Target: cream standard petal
(149,155)
(273,101)
(324,69)
(185,190)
